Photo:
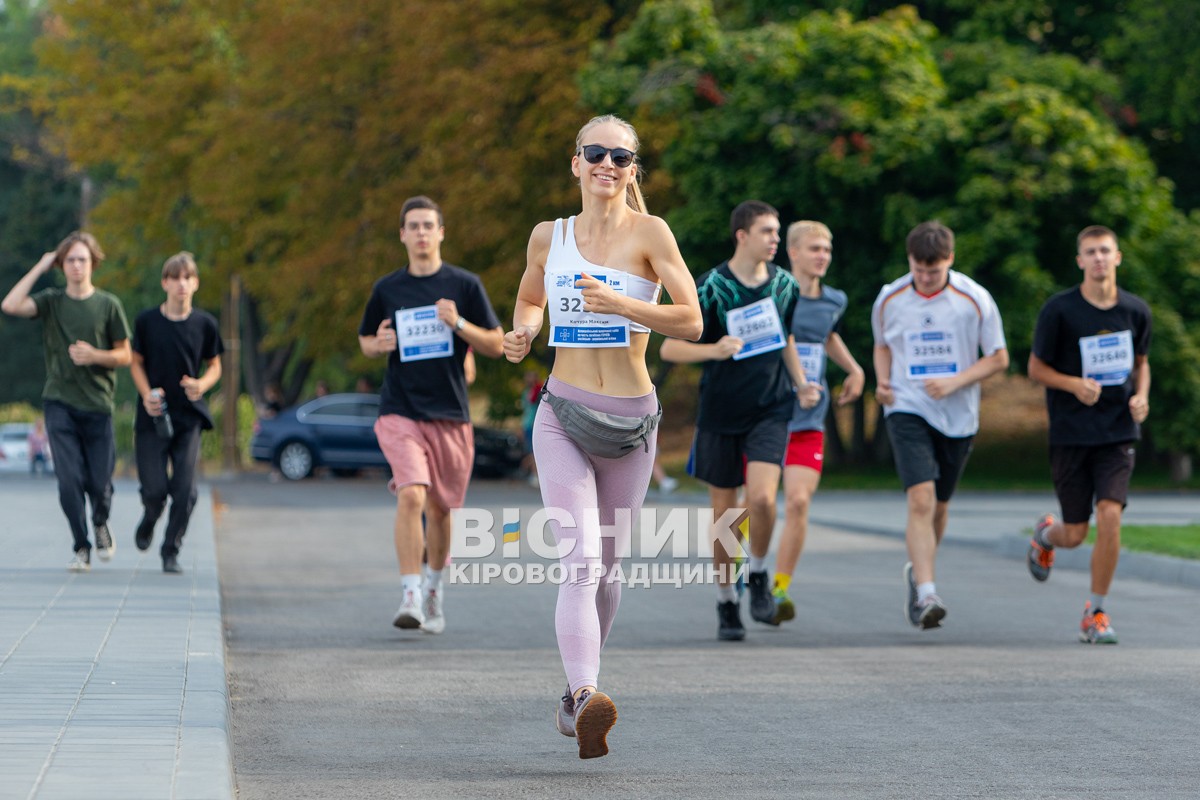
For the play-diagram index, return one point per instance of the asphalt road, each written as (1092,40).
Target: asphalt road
(330,701)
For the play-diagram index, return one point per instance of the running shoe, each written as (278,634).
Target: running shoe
(564,714)
(930,612)
(785,609)
(911,612)
(729,622)
(762,604)
(435,621)
(1040,557)
(171,565)
(409,615)
(105,547)
(82,561)
(925,614)
(144,535)
(1095,627)
(595,715)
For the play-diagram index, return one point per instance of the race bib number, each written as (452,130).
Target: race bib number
(758,326)
(930,354)
(421,335)
(1108,357)
(570,325)
(812,359)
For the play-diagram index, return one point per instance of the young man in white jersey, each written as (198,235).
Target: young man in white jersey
(424,318)
(814,326)
(1090,351)
(752,377)
(930,328)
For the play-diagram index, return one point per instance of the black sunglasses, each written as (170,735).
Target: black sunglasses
(595,153)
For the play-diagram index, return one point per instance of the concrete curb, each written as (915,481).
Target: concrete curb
(1141,566)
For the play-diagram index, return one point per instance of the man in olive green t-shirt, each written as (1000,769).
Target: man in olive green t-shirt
(85,336)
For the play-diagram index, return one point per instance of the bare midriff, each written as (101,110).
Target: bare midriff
(614,371)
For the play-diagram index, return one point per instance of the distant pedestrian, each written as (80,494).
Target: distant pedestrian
(930,328)
(39,447)
(600,274)
(424,318)
(85,337)
(752,378)
(176,361)
(1090,351)
(815,327)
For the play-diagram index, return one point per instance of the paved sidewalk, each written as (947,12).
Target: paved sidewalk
(112,682)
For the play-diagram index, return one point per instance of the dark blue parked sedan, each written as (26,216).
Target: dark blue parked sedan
(338,431)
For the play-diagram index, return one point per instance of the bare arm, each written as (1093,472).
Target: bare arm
(807,394)
(677,351)
(840,354)
(1086,390)
(17,302)
(84,354)
(530,308)
(1139,404)
(196,388)
(989,365)
(488,341)
(882,358)
(382,342)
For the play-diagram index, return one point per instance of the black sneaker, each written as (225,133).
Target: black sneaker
(762,604)
(144,535)
(729,622)
(171,565)
(104,542)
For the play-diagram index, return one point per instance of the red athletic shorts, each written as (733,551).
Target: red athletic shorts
(805,449)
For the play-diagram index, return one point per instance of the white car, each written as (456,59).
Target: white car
(14,447)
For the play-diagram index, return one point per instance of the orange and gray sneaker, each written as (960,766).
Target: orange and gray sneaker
(1095,627)
(1041,556)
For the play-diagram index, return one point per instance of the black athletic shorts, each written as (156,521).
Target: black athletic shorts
(1083,473)
(719,459)
(923,453)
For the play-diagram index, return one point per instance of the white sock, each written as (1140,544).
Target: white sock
(726,594)
(1098,602)
(924,590)
(433,580)
(757,564)
(411,583)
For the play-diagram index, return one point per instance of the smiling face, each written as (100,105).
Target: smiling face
(811,256)
(605,179)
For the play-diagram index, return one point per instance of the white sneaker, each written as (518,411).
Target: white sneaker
(668,484)
(435,621)
(81,562)
(409,614)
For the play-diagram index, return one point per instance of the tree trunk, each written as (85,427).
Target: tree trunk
(1180,466)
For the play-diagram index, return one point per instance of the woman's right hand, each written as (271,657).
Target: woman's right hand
(517,343)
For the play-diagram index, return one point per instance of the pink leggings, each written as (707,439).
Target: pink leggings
(576,482)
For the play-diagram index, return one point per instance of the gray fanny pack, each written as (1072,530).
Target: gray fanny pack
(601,434)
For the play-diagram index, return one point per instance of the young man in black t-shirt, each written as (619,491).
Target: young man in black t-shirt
(176,361)
(1090,352)
(424,318)
(751,375)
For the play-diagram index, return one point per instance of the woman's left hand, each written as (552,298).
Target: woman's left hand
(598,297)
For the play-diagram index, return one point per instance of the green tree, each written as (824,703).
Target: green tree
(39,197)
(866,125)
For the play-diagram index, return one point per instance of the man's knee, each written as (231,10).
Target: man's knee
(921,500)
(797,502)
(1074,534)
(411,499)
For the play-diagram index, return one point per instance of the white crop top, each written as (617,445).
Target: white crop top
(564,259)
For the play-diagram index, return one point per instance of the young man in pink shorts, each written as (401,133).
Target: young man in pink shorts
(423,318)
